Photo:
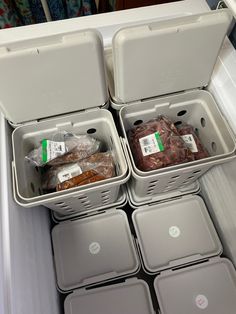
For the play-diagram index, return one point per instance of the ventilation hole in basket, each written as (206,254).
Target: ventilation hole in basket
(197,171)
(203,122)
(60,203)
(64,206)
(213,146)
(172,182)
(91,131)
(149,192)
(181,113)
(197,131)
(192,177)
(178,123)
(105,192)
(81,198)
(138,122)
(154,182)
(175,177)
(32,187)
(151,187)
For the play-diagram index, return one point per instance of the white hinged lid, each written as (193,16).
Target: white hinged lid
(52,75)
(93,249)
(166,56)
(174,233)
(208,288)
(130,297)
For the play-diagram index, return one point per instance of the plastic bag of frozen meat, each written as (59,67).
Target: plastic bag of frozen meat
(63,148)
(192,141)
(95,168)
(157,144)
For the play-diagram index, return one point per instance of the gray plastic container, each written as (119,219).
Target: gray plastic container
(208,288)
(120,203)
(136,201)
(130,297)
(53,95)
(175,233)
(147,79)
(93,250)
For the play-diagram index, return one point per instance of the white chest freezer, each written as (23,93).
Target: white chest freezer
(27,277)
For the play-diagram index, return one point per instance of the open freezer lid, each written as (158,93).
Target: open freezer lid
(52,75)
(167,56)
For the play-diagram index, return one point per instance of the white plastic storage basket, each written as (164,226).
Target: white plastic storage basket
(27,179)
(120,203)
(52,84)
(136,202)
(197,108)
(161,68)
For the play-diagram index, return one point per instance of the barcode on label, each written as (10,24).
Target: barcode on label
(146,141)
(190,142)
(151,144)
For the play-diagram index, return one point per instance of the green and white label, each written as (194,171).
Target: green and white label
(151,144)
(190,142)
(51,150)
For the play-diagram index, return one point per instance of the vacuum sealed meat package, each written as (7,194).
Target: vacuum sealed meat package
(157,144)
(63,148)
(192,141)
(97,167)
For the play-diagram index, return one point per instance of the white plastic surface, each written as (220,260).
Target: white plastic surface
(28,278)
(53,75)
(167,56)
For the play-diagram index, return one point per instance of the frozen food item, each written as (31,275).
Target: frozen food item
(86,177)
(192,141)
(63,148)
(101,163)
(156,144)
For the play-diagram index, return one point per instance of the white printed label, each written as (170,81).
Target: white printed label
(151,144)
(190,142)
(51,150)
(174,232)
(201,302)
(69,173)
(94,248)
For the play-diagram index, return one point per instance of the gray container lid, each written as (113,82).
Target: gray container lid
(208,288)
(174,233)
(131,297)
(93,249)
(166,56)
(52,75)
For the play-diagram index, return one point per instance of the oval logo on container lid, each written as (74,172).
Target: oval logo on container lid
(201,301)
(94,248)
(174,231)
